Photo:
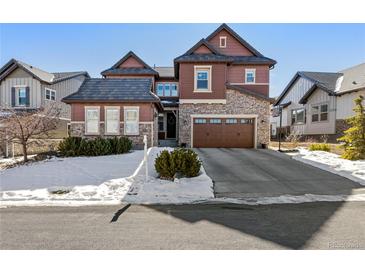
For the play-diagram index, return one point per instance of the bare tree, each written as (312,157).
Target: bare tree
(24,125)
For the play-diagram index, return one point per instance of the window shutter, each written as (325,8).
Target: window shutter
(13,97)
(27,99)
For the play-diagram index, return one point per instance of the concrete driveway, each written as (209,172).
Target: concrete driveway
(239,173)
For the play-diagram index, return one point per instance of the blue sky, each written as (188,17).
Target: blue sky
(95,47)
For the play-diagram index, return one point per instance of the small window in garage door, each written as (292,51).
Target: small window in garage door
(215,121)
(246,121)
(200,121)
(231,121)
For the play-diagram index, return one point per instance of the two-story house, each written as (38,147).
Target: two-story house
(215,95)
(24,87)
(315,104)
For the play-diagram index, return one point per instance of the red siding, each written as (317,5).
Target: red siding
(233,47)
(145,110)
(131,63)
(202,49)
(186,82)
(236,74)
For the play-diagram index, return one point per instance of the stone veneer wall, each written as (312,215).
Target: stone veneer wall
(237,103)
(78,130)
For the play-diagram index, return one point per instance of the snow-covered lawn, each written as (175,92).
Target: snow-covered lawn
(156,191)
(110,179)
(353,170)
(69,172)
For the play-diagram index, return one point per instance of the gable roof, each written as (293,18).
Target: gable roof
(214,56)
(323,80)
(235,35)
(114,90)
(41,75)
(115,69)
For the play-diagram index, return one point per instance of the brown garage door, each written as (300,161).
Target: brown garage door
(223,132)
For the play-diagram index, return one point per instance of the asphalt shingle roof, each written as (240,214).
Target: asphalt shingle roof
(130,71)
(206,57)
(249,92)
(117,90)
(165,71)
(252,60)
(326,80)
(41,75)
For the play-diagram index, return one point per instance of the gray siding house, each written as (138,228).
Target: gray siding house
(317,103)
(23,86)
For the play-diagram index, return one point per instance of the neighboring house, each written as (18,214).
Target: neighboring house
(317,103)
(25,87)
(215,95)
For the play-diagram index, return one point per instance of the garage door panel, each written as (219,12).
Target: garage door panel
(229,133)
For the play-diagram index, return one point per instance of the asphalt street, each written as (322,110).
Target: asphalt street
(333,225)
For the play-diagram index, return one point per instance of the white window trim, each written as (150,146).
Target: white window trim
(222,38)
(319,112)
(296,122)
(126,108)
(106,120)
(254,73)
(197,68)
(17,87)
(163,90)
(93,108)
(51,90)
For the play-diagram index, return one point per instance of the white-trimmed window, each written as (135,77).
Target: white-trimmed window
(320,113)
(112,120)
(250,76)
(21,96)
(92,120)
(50,94)
(131,120)
(202,78)
(223,41)
(298,116)
(167,89)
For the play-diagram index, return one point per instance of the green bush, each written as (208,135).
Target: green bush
(165,165)
(70,146)
(182,161)
(323,147)
(77,146)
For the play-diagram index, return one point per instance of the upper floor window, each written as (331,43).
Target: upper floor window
(298,116)
(202,77)
(222,41)
(50,94)
(250,76)
(92,118)
(167,89)
(320,113)
(131,120)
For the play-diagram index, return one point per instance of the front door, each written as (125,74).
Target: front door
(171,125)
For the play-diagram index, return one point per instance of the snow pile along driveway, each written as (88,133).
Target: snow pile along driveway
(127,176)
(353,170)
(156,191)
